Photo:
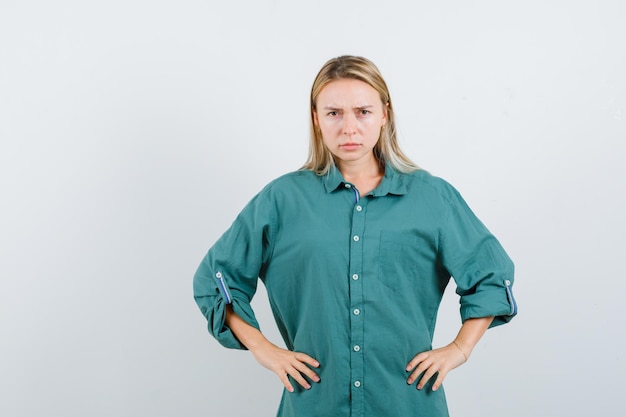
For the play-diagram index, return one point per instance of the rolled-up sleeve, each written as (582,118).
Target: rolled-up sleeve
(481,268)
(229,272)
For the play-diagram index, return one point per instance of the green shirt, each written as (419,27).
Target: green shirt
(356,282)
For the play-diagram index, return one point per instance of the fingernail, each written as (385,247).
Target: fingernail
(290,389)
(316,364)
(409,381)
(316,379)
(307,386)
(435,387)
(419,386)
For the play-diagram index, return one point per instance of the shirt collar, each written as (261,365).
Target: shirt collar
(393,182)
(333,179)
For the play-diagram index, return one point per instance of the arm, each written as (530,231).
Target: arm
(282,362)
(483,273)
(449,357)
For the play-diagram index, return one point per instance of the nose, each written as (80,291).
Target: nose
(349,124)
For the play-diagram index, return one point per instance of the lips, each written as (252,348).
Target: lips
(350,146)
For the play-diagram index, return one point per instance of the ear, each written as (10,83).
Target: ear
(316,121)
(385,112)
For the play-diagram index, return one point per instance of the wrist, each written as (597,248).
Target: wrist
(461,349)
(257,342)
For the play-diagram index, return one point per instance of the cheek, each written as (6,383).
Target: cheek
(326,138)
(327,128)
(372,127)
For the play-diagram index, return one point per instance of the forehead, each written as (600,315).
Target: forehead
(347,92)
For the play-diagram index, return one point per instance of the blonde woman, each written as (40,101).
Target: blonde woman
(355,250)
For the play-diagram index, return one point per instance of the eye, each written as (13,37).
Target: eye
(332,113)
(364,112)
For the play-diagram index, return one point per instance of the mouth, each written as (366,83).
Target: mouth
(350,146)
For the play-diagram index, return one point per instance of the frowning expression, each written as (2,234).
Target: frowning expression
(350,115)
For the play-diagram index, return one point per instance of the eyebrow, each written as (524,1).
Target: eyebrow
(366,106)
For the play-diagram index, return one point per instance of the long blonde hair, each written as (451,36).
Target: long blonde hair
(387,150)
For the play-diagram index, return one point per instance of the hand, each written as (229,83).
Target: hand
(440,361)
(285,363)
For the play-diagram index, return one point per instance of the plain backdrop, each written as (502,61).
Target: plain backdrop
(132,133)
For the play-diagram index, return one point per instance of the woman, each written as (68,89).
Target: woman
(355,250)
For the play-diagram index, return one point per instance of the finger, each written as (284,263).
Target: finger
(304,369)
(416,361)
(440,377)
(423,366)
(284,378)
(303,357)
(297,376)
(426,377)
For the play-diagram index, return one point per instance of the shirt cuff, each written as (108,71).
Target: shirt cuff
(496,302)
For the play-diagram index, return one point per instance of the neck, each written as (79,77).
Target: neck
(362,169)
(365,175)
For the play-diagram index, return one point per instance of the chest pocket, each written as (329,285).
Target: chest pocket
(405,259)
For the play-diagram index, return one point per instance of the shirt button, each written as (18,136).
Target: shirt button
(507,283)
(357,348)
(218,275)
(359,208)
(347,185)
(357,383)
(355,277)
(356,311)
(355,238)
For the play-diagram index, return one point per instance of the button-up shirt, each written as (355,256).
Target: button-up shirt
(355,282)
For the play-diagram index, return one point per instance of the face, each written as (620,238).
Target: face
(350,116)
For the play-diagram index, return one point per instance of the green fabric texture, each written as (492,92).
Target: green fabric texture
(356,282)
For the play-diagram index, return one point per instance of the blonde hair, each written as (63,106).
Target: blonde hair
(387,150)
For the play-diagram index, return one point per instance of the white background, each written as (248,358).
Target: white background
(132,132)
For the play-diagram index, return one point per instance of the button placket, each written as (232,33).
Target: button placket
(356,303)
